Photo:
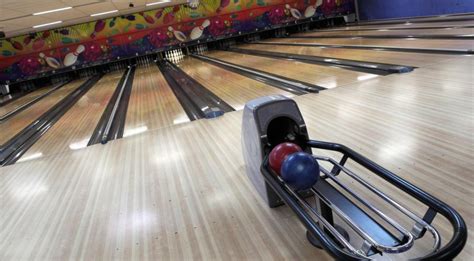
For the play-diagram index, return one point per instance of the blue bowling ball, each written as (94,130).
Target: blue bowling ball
(300,171)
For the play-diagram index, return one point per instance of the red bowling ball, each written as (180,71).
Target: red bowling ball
(279,154)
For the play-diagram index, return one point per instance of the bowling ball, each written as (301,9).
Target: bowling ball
(300,171)
(279,153)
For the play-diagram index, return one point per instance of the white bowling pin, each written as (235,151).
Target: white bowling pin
(193,4)
(311,10)
(177,34)
(294,12)
(71,58)
(197,32)
(53,63)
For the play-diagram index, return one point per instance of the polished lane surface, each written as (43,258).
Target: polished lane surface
(231,87)
(182,193)
(402,26)
(23,100)
(152,104)
(396,43)
(401,58)
(324,76)
(14,125)
(74,129)
(381,32)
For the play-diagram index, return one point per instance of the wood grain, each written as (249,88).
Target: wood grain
(23,100)
(381,32)
(325,76)
(414,25)
(74,129)
(233,88)
(407,43)
(181,192)
(12,126)
(412,59)
(152,103)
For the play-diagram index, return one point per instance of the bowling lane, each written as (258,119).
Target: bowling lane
(233,88)
(407,25)
(325,76)
(447,32)
(75,128)
(407,43)
(412,59)
(22,100)
(14,125)
(152,103)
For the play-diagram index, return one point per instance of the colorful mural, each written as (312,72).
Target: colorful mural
(140,33)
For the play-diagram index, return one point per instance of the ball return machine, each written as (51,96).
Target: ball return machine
(349,224)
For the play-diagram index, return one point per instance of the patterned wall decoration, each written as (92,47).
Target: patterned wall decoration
(136,34)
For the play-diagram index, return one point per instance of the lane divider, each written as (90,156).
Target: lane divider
(354,65)
(290,85)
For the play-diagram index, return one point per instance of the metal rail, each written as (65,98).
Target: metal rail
(385,197)
(105,135)
(376,240)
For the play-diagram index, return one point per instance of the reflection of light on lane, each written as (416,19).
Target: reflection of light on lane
(139,220)
(25,191)
(174,155)
(400,146)
(239,107)
(366,77)
(79,145)
(31,157)
(330,85)
(135,131)
(181,119)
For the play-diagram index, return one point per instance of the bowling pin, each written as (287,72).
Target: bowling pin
(294,12)
(53,63)
(177,34)
(71,58)
(197,32)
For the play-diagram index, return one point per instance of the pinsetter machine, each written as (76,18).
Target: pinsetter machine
(345,213)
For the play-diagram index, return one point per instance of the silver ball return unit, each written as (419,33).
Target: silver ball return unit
(344,221)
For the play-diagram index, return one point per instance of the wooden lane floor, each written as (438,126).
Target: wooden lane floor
(152,103)
(397,43)
(405,25)
(74,129)
(231,87)
(392,57)
(425,19)
(14,125)
(444,32)
(324,76)
(181,192)
(23,100)
(460,70)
